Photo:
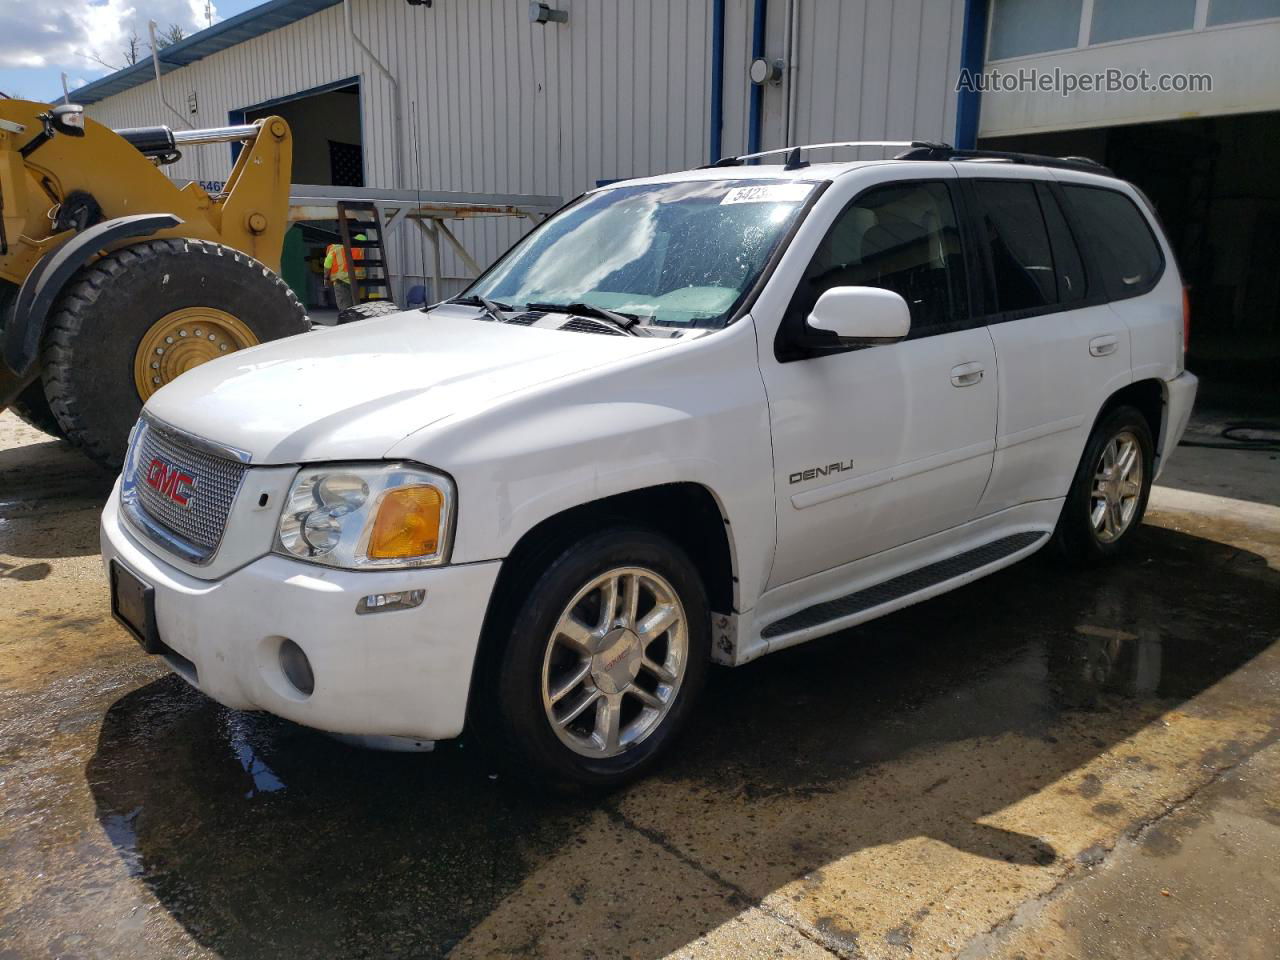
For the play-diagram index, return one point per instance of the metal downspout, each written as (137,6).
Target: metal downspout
(396,125)
(155,65)
(717,78)
(973,43)
(789,46)
(761,11)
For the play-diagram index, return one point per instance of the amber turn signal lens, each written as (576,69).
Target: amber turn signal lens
(408,524)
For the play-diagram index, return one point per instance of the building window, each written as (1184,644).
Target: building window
(1021,27)
(1238,11)
(1124,19)
(346,164)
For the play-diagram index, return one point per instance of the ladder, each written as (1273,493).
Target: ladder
(362,217)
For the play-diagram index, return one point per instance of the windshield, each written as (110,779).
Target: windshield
(678,254)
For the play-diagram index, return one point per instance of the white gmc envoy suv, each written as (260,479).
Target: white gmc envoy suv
(688,419)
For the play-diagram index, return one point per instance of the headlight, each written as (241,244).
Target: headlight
(368,515)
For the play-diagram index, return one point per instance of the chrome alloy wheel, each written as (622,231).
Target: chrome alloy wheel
(1117,487)
(615,661)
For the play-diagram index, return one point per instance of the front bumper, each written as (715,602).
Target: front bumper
(400,673)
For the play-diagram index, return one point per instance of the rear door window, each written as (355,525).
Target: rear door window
(1124,248)
(1013,230)
(1068,265)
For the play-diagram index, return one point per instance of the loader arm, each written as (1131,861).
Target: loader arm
(251,215)
(166,277)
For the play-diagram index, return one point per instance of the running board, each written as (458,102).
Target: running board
(902,586)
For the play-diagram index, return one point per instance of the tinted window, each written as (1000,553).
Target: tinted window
(1124,248)
(1122,19)
(1068,267)
(1019,27)
(1017,241)
(902,237)
(1235,11)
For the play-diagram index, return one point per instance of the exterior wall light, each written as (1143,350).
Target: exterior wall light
(764,70)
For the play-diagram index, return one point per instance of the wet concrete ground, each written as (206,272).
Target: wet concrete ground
(1046,763)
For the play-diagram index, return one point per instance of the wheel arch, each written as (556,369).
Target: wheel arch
(687,512)
(1150,398)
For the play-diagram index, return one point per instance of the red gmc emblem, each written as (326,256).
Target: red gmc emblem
(171,481)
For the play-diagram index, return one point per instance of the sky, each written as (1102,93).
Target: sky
(86,39)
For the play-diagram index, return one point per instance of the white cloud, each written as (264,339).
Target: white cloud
(83,36)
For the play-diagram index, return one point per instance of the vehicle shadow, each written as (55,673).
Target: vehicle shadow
(263,839)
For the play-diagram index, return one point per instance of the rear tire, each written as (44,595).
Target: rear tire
(1108,495)
(97,329)
(32,407)
(650,677)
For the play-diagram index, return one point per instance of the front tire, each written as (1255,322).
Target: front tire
(141,316)
(598,661)
(1108,496)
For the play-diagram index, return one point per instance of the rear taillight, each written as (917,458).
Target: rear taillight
(1186,320)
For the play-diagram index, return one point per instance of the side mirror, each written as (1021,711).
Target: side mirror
(68,118)
(861,316)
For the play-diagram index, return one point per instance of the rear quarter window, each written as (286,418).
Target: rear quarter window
(1123,246)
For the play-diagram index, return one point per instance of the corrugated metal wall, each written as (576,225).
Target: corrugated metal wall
(495,104)
(868,70)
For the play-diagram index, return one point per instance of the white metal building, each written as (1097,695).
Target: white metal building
(472,96)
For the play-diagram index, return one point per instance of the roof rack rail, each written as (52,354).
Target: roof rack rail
(795,163)
(920,150)
(945,152)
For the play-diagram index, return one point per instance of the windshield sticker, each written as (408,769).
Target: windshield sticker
(768,193)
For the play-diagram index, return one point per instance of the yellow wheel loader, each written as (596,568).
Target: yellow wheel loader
(113,280)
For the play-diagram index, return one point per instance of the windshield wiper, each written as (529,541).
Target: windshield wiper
(492,308)
(626,322)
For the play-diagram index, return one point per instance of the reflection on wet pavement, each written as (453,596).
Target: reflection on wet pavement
(260,836)
(893,791)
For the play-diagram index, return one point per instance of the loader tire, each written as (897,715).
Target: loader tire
(136,319)
(367,311)
(32,407)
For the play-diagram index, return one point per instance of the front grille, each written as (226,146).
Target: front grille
(215,480)
(587,325)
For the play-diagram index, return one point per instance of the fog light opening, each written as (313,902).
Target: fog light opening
(382,602)
(296,667)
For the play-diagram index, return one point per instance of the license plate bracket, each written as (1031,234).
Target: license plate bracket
(133,604)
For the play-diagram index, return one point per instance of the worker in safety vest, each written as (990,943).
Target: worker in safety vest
(337,273)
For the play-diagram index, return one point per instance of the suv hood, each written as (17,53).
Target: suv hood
(353,391)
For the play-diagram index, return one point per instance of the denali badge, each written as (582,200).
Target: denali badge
(171,481)
(812,472)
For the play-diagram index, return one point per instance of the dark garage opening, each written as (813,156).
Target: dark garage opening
(327,150)
(1212,181)
(327,145)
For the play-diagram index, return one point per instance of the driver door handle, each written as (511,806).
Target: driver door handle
(966,374)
